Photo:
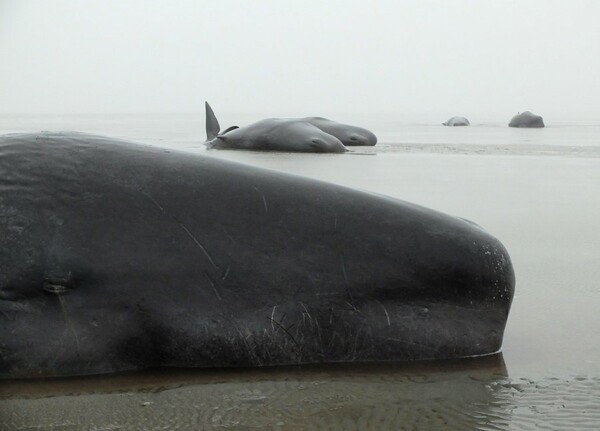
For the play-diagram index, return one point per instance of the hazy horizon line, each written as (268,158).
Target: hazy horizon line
(259,114)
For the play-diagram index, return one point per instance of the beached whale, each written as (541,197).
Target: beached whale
(309,134)
(118,256)
(457,121)
(526,119)
(272,134)
(347,134)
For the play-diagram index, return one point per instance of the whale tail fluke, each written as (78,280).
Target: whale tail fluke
(212,124)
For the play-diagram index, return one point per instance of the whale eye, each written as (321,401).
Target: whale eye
(58,285)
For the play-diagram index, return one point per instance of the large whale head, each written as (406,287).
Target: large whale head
(349,135)
(118,256)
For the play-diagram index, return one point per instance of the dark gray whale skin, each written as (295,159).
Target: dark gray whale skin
(271,134)
(278,134)
(310,134)
(117,256)
(457,121)
(526,119)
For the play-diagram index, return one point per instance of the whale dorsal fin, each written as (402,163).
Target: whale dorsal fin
(212,124)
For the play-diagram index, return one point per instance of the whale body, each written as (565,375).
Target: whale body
(457,121)
(309,134)
(117,256)
(526,119)
(272,134)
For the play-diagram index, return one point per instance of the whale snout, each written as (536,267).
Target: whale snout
(364,138)
(371,138)
(468,283)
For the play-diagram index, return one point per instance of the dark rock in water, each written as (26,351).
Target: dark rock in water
(118,256)
(526,119)
(457,121)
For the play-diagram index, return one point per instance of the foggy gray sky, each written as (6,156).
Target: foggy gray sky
(482,59)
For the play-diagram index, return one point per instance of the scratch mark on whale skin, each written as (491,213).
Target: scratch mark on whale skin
(228,236)
(199,245)
(224,277)
(263,199)
(345,274)
(287,332)
(273,317)
(343,265)
(185,229)
(159,206)
(213,286)
(386,314)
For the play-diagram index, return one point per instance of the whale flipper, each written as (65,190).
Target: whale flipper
(212,124)
(229,129)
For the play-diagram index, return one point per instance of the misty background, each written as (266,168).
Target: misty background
(400,59)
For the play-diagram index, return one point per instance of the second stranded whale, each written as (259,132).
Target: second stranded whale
(457,121)
(349,135)
(310,134)
(117,256)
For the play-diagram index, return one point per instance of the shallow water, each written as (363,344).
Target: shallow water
(472,396)
(536,190)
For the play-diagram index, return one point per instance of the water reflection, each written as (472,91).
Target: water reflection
(456,394)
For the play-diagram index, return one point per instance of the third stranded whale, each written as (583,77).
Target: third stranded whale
(526,119)
(309,134)
(117,256)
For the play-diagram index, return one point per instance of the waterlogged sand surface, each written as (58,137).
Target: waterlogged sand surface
(545,207)
(461,396)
